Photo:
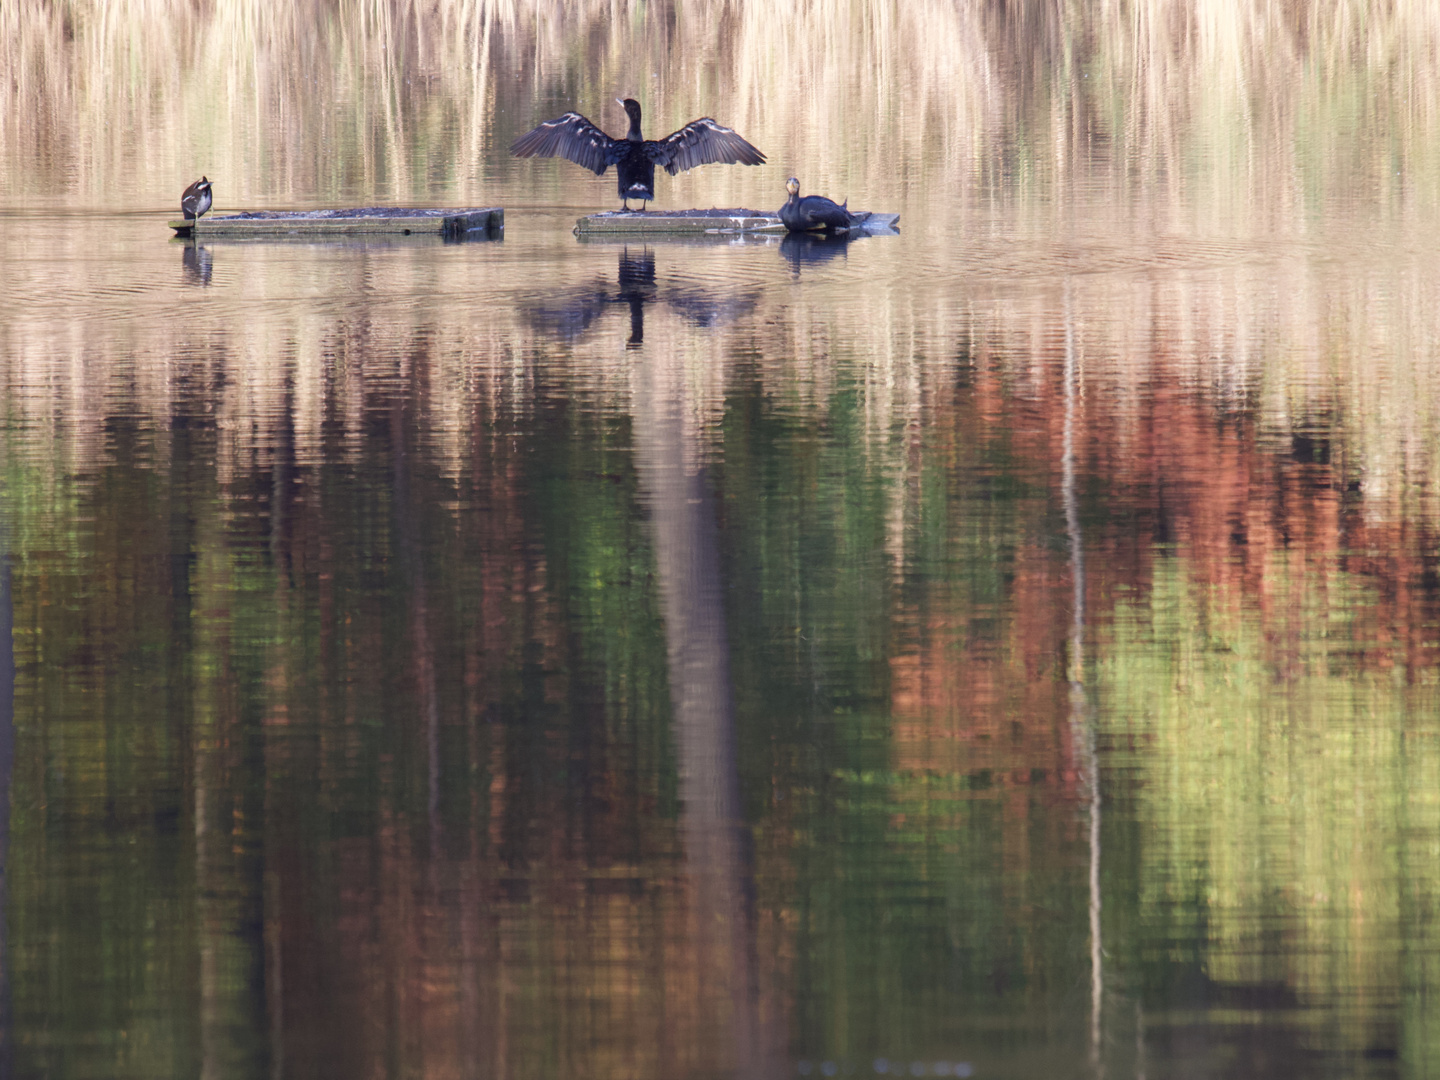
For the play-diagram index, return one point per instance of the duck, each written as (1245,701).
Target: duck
(196,199)
(700,142)
(815,212)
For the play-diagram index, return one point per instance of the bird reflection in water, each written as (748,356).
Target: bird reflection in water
(637,285)
(807,248)
(196,261)
(572,312)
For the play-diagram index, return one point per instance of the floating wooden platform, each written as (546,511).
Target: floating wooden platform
(704,221)
(677,221)
(370,220)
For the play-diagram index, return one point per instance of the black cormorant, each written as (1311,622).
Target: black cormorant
(196,200)
(700,142)
(815,212)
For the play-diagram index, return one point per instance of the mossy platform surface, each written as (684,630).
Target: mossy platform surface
(374,219)
(704,221)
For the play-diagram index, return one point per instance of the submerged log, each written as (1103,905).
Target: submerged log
(705,221)
(370,220)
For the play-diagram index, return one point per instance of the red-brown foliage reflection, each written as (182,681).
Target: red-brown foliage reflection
(1270,529)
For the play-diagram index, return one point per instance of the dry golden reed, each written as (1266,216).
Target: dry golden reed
(1244,106)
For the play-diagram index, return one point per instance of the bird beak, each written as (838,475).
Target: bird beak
(620,102)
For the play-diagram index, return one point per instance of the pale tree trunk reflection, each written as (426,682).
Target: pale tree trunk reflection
(686,537)
(7,772)
(1082,728)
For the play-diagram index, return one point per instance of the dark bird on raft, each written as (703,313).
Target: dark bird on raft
(700,142)
(196,199)
(815,213)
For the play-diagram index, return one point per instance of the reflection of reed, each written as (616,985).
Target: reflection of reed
(1246,337)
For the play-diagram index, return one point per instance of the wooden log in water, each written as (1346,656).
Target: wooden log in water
(368,221)
(702,221)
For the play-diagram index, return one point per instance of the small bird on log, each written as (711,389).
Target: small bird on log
(815,212)
(196,200)
(700,142)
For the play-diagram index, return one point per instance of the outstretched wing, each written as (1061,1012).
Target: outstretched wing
(569,136)
(702,142)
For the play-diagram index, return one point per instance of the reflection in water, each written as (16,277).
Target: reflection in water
(570,313)
(682,511)
(637,285)
(470,697)
(7,793)
(1082,730)
(198,262)
(228,765)
(802,248)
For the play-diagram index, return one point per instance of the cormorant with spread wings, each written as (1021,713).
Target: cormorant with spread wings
(700,142)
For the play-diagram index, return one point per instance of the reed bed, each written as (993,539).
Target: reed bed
(1243,109)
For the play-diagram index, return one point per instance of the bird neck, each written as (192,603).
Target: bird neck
(634,133)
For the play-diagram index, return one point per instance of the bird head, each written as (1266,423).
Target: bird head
(792,186)
(631,107)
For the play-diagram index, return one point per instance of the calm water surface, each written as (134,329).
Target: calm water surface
(1010,648)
